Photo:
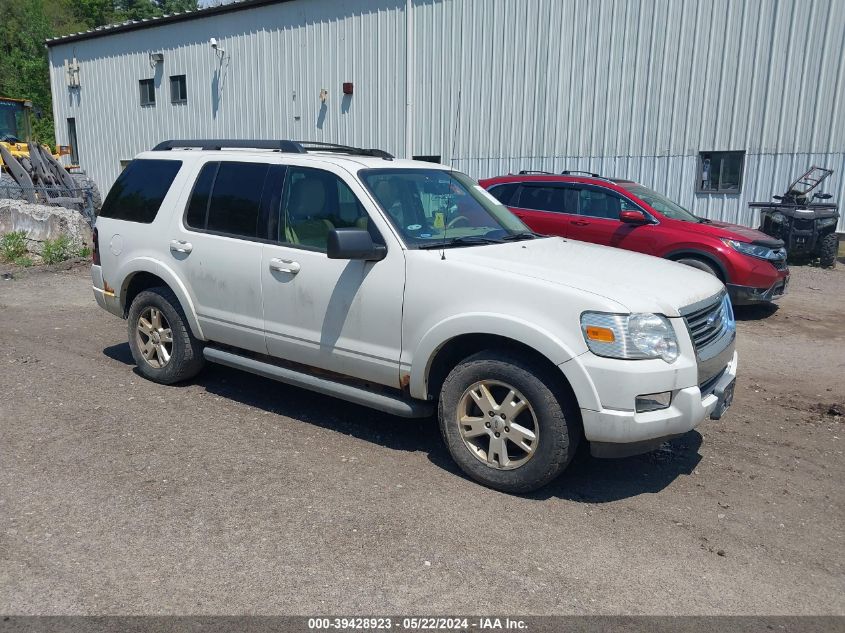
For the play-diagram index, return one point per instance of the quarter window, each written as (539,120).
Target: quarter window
(148,92)
(139,191)
(720,172)
(178,89)
(314,202)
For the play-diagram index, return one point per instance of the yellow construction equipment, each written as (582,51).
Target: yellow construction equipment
(29,171)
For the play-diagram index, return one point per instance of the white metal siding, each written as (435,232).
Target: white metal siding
(627,88)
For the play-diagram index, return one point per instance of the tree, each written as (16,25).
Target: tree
(26,24)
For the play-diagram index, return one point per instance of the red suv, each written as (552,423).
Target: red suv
(628,215)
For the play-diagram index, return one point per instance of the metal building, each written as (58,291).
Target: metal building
(713,102)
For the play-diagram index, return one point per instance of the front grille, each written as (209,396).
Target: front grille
(708,323)
(780,264)
(803,224)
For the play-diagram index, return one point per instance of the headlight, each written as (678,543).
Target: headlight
(630,336)
(754,250)
(825,222)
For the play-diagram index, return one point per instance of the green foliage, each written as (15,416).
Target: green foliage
(24,261)
(84,252)
(57,250)
(13,245)
(26,24)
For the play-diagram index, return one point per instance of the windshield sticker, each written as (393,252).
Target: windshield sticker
(425,234)
(414,227)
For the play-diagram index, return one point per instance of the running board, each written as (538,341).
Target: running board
(394,405)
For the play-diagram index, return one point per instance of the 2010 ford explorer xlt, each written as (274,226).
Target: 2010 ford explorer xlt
(405,287)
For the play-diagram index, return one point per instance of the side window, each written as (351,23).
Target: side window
(602,204)
(504,193)
(139,191)
(542,198)
(313,203)
(197,212)
(236,199)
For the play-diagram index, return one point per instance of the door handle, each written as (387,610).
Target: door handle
(181,246)
(580,222)
(284,266)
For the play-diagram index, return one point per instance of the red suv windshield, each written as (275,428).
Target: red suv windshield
(661,203)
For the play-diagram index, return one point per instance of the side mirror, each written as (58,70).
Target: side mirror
(353,244)
(633,217)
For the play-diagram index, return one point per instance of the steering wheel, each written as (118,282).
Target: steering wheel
(454,221)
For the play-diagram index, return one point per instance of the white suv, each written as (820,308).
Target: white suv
(405,287)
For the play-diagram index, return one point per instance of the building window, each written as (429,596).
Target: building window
(178,89)
(71,138)
(148,92)
(720,172)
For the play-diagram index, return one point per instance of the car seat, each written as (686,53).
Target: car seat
(306,223)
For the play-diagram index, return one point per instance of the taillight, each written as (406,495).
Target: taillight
(95,254)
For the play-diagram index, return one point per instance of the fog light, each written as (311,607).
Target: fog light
(654,401)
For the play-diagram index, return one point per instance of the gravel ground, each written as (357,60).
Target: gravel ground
(234,494)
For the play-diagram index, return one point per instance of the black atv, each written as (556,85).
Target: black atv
(807,228)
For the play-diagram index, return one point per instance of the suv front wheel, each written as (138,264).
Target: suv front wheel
(162,344)
(505,424)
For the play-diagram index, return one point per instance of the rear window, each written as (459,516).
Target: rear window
(139,191)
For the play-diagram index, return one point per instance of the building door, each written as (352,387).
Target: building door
(71,137)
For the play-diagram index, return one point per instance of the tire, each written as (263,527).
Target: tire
(828,250)
(700,264)
(552,416)
(160,309)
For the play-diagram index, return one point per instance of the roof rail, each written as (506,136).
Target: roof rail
(217,144)
(528,172)
(343,149)
(570,172)
(293,147)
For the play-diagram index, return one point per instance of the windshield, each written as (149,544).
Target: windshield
(12,122)
(661,203)
(436,207)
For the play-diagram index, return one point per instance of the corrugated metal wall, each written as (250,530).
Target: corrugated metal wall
(627,88)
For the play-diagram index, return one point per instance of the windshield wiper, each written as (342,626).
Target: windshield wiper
(516,237)
(704,220)
(466,240)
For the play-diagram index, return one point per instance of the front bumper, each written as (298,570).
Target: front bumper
(746,295)
(619,433)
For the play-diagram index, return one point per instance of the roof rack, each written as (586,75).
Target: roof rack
(292,147)
(217,144)
(570,172)
(343,149)
(528,172)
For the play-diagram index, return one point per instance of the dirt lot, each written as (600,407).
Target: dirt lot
(234,494)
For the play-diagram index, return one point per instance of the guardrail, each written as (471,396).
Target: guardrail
(49,197)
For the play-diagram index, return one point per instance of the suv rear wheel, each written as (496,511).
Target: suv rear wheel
(162,344)
(503,423)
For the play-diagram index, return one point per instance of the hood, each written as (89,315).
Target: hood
(733,232)
(639,283)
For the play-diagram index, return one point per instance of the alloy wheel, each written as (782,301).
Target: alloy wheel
(155,338)
(498,424)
